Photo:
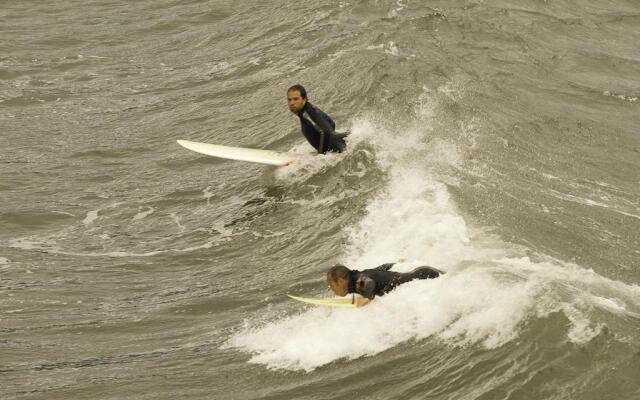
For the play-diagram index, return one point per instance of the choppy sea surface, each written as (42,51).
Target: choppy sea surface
(496,140)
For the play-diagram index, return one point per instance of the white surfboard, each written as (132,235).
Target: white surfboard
(337,302)
(239,153)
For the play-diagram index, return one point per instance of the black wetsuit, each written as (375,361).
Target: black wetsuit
(380,280)
(319,130)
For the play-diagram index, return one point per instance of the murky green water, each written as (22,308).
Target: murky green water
(498,141)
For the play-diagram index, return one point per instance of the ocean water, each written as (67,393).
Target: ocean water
(498,141)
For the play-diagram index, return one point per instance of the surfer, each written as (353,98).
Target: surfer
(317,127)
(371,282)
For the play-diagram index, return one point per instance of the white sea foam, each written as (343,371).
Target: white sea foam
(391,48)
(94,214)
(486,304)
(486,298)
(414,220)
(143,214)
(175,218)
(91,216)
(49,246)
(631,99)
(307,163)
(589,202)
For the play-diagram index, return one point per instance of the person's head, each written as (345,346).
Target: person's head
(296,98)
(338,279)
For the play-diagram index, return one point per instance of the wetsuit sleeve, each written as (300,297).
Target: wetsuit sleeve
(366,287)
(325,127)
(384,267)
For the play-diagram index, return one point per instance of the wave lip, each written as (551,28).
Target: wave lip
(488,298)
(486,305)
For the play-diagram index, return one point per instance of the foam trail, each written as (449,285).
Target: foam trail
(143,214)
(51,248)
(91,216)
(413,221)
(486,298)
(414,311)
(483,305)
(308,163)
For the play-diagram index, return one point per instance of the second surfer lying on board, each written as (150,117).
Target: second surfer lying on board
(317,127)
(371,282)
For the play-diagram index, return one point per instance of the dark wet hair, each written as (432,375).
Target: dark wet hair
(299,88)
(338,271)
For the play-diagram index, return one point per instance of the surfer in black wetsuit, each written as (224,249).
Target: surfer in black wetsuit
(373,282)
(317,127)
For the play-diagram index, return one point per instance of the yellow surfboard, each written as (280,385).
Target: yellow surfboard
(337,302)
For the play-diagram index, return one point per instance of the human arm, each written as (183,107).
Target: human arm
(323,124)
(361,301)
